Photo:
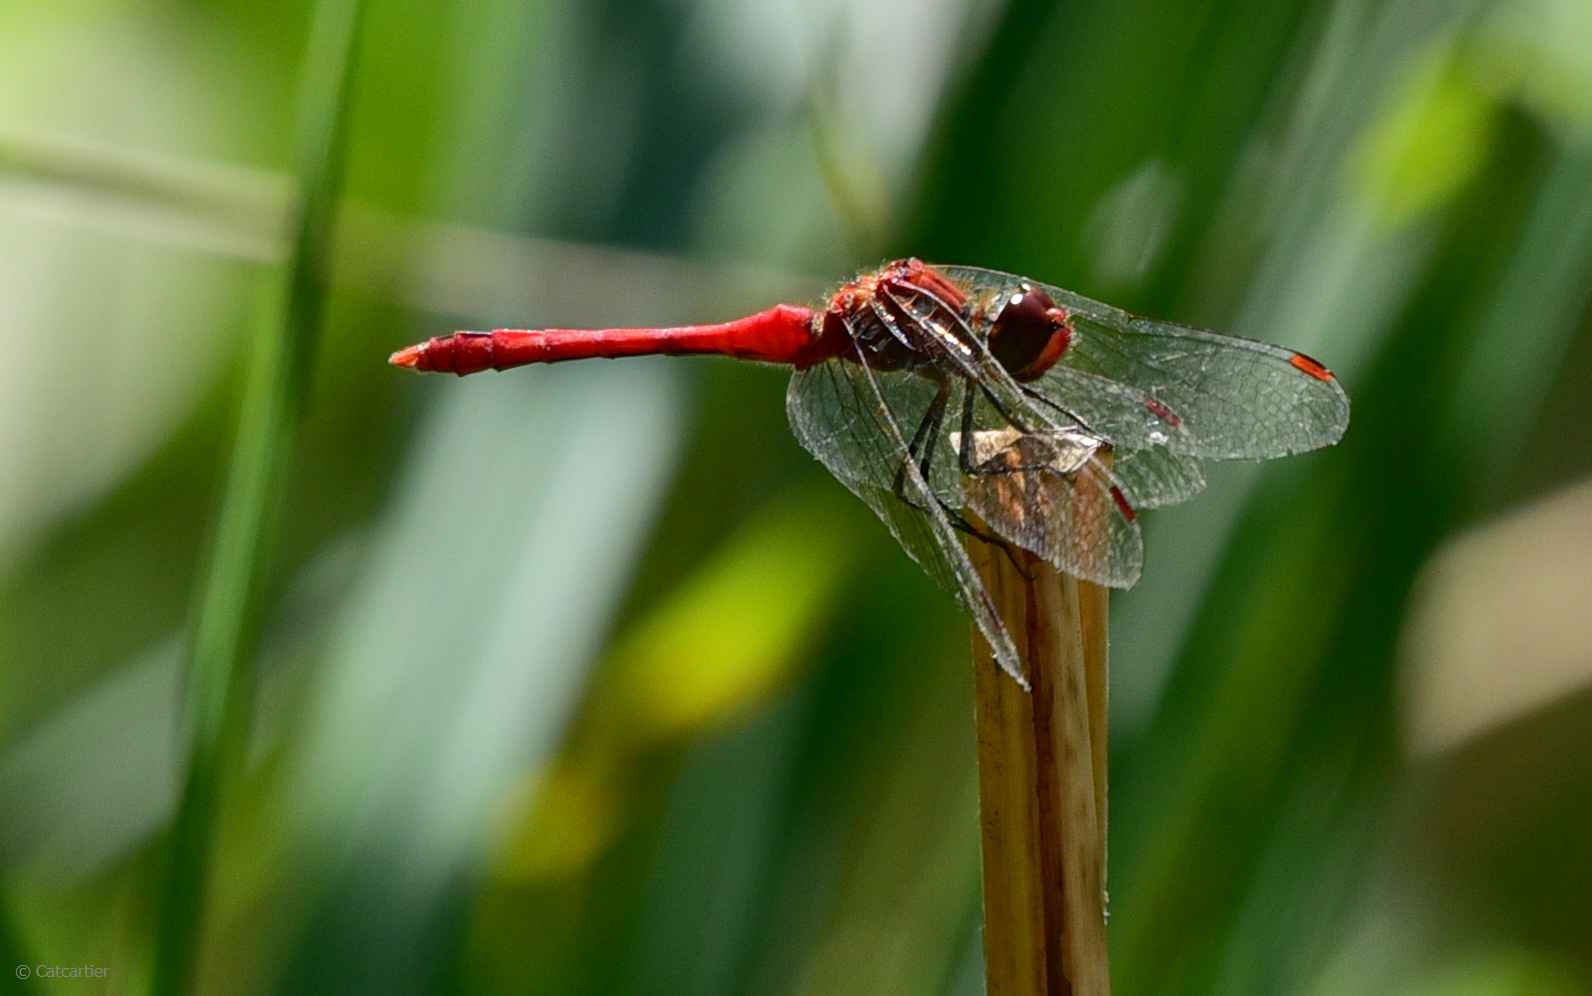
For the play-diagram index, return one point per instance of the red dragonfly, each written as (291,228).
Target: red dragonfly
(957,399)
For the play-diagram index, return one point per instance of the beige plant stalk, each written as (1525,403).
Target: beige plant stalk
(1042,782)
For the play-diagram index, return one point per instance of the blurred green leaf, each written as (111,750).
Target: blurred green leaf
(218,693)
(1431,139)
(1502,973)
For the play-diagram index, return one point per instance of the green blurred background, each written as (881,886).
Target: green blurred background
(587,679)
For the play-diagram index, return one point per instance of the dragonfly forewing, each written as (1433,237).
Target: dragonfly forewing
(1156,476)
(1141,382)
(839,413)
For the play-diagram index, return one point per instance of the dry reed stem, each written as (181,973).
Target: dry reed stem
(1042,782)
(1094,617)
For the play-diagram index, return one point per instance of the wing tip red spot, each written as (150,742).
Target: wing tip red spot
(1122,503)
(1310,366)
(1162,412)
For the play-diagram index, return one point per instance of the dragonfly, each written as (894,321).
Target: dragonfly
(957,401)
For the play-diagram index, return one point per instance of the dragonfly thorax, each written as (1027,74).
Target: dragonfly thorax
(901,316)
(907,315)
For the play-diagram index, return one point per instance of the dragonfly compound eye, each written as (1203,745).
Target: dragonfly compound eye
(1030,333)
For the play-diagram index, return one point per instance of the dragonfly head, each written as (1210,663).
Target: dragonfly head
(1031,332)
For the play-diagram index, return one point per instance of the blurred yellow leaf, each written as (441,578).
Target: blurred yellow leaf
(565,817)
(1427,142)
(724,642)
(731,636)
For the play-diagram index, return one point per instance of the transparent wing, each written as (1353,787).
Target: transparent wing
(1051,492)
(1142,383)
(1037,478)
(847,435)
(1156,476)
(839,412)
(1038,482)
(1149,439)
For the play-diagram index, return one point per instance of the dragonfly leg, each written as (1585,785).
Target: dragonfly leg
(969,469)
(960,524)
(966,455)
(922,449)
(923,438)
(1034,395)
(965,451)
(963,334)
(1000,406)
(934,420)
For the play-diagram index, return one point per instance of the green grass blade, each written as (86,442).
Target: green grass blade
(219,682)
